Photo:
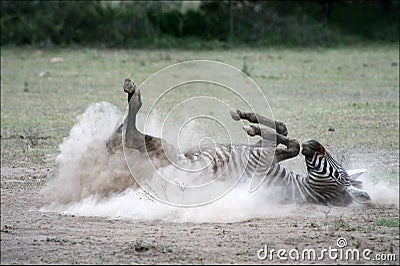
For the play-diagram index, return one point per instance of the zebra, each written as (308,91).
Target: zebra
(326,181)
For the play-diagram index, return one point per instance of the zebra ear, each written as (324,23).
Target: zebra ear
(358,195)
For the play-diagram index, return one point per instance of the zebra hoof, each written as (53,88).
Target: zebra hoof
(129,86)
(250,130)
(234,115)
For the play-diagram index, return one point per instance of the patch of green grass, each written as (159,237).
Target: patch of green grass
(354,90)
(388,222)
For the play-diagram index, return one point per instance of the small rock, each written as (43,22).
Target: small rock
(44,74)
(57,60)
(331,129)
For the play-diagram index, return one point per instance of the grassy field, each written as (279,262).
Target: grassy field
(353,90)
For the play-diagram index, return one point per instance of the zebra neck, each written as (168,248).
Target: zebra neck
(295,187)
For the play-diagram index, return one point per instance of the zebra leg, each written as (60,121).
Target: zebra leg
(292,145)
(155,147)
(292,148)
(114,142)
(133,137)
(279,126)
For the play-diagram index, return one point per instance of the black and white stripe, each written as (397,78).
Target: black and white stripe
(326,181)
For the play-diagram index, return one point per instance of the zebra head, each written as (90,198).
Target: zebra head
(323,168)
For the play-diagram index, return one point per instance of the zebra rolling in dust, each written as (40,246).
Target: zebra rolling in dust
(326,181)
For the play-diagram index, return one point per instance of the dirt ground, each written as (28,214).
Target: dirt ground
(29,236)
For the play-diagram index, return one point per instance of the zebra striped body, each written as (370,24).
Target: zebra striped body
(233,160)
(325,182)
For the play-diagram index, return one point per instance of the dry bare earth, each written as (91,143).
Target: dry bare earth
(32,237)
(29,236)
